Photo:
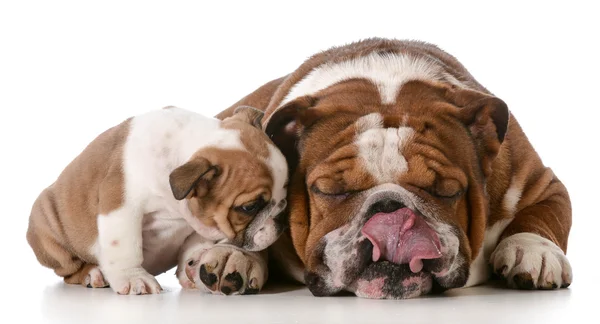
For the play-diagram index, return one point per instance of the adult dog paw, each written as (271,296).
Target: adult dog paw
(529,261)
(226,270)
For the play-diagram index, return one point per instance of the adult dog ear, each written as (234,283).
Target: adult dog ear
(487,119)
(192,179)
(287,123)
(250,115)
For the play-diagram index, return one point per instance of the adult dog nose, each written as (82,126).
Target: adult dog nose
(386,205)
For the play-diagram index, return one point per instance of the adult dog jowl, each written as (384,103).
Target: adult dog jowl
(407,176)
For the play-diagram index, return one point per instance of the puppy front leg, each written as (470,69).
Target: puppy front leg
(121,252)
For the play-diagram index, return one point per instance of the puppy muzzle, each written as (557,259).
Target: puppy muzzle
(266,227)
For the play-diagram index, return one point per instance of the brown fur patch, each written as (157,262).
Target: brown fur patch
(62,224)
(242,178)
(252,138)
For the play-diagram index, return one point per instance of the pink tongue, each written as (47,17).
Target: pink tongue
(402,237)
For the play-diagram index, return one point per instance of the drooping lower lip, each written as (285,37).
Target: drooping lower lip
(384,279)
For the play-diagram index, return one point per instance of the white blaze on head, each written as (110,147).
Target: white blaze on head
(387,72)
(370,121)
(381,148)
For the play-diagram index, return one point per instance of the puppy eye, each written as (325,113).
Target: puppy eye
(252,208)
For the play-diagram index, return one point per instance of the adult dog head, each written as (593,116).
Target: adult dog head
(389,145)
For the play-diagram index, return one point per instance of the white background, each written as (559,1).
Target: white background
(70,70)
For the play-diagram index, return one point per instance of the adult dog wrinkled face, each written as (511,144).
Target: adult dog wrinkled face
(398,204)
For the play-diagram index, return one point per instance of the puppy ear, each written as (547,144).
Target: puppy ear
(287,123)
(192,178)
(487,119)
(251,115)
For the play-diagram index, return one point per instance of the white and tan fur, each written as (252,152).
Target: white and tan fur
(387,72)
(151,231)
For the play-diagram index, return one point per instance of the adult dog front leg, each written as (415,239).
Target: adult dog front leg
(532,249)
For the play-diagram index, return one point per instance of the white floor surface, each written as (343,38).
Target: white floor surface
(69,70)
(43,298)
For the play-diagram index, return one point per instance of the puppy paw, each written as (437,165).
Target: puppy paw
(136,281)
(95,279)
(225,270)
(529,261)
(88,276)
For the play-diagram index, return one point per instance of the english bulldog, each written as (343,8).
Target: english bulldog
(408,176)
(165,188)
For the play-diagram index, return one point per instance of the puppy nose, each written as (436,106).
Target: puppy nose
(282,204)
(385,206)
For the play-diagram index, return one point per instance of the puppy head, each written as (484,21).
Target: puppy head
(387,201)
(240,191)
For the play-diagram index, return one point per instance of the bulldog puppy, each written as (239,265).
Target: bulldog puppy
(164,188)
(406,175)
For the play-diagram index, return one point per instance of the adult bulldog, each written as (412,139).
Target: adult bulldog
(407,175)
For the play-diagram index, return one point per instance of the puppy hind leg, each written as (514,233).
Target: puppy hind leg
(54,255)
(89,276)
(42,237)
(74,271)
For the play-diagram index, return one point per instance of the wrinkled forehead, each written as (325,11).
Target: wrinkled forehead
(381,149)
(378,148)
(241,168)
(345,105)
(365,137)
(383,137)
(353,130)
